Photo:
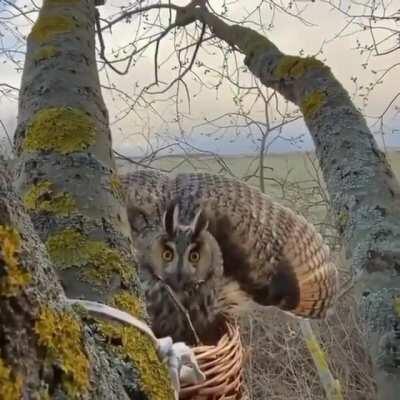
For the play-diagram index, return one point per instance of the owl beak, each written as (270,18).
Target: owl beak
(174,281)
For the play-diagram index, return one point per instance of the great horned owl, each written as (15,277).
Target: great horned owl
(217,244)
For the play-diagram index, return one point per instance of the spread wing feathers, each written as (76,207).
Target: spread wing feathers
(147,194)
(275,255)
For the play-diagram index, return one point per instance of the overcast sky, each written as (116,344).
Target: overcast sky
(289,33)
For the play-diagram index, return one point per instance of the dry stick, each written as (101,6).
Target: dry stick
(331,385)
(181,308)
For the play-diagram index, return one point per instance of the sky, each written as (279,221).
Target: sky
(152,122)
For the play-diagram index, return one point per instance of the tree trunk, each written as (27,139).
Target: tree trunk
(364,193)
(45,350)
(66,179)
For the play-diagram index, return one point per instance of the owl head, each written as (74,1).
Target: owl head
(184,256)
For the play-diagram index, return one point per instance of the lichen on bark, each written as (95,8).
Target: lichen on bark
(138,348)
(116,187)
(312,103)
(99,262)
(43,196)
(48,26)
(295,67)
(12,277)
(60,334)
(10,384)
(61,129)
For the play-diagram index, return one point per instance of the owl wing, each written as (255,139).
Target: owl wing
(276,256)
(147,193)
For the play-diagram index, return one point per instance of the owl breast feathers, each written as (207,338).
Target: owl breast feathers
(218,242)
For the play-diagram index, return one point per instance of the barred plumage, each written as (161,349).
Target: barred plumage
(260,250)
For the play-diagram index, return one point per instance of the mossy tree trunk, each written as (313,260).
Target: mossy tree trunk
(66,179)
(364,193)
(45,350)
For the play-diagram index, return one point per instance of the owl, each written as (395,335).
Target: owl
(208,247)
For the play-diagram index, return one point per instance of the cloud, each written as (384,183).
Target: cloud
(152,122)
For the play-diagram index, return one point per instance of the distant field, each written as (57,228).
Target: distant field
(294,166)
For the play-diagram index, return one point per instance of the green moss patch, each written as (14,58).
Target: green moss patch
(60,129)
(61,336)
(312,102)
(10,385)
(48,26)
(129,303)
(12,278)
(44,197)
(295,67)
(70,248)
(138,348)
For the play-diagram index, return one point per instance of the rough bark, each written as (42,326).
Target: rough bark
(45,350)
(364,193)
(66,179)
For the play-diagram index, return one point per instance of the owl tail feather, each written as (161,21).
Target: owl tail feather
(317,292)
(317,278)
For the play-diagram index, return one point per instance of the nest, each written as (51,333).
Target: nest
(222,365)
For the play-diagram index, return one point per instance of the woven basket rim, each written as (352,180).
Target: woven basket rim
(222,365)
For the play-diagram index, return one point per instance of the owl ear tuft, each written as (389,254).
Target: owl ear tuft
(170,219)
(199,223)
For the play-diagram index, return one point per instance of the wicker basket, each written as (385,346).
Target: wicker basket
(222,366)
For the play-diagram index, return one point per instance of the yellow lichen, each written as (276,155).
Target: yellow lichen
(10,386)
(48,26)
(312,102)
(44,197)
(105,262)
(129,303)
(67,248)
(70,248)
(295,67)
(44,53)
(137,347)
(116,187)
(60,129)
(12,277)
(60,335)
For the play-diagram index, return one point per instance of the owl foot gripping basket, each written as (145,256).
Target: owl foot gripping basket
(222,365)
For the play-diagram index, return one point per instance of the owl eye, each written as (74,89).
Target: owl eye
(194,256)
(167,255)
